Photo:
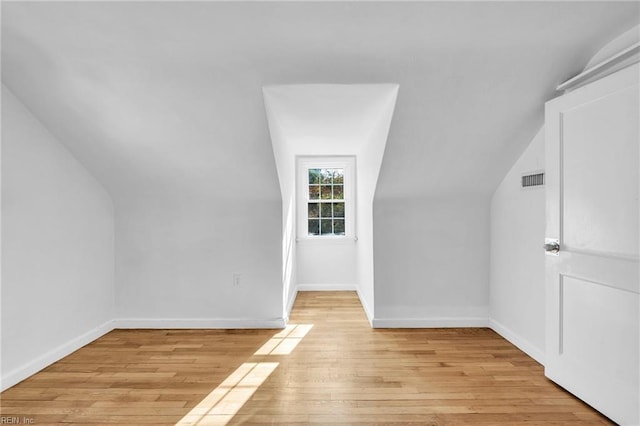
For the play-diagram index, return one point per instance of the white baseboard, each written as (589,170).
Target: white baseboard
(367,309)
(523,344)
(436,322)
(32,367)
(185,323)
(326,287)
(292,299)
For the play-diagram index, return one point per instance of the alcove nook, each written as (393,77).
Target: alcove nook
(329,121)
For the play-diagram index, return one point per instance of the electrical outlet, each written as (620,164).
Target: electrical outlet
(237,280)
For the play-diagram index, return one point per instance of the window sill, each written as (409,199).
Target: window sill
(326,240)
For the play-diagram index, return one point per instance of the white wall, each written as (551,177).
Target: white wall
(517,236)
(327,265)
(431,262)
(176,259)
(517,258)
(57,248)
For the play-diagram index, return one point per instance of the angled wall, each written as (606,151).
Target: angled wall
(517,259)
(57,248)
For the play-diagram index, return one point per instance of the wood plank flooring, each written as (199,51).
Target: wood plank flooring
(328,367)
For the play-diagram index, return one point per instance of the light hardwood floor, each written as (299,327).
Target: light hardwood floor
(328,367)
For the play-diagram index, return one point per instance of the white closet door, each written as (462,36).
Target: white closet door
(592,283)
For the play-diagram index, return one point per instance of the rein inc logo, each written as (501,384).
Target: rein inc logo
(8,420)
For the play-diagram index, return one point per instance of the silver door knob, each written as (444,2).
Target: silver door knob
(552,246)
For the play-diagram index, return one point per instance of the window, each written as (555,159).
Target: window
(325,203)
(325,200)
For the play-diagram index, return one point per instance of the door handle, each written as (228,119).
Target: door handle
(551,246)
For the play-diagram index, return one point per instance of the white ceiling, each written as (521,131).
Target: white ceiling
(165,97)
(328,119)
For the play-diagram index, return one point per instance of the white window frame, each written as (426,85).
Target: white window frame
(303,164)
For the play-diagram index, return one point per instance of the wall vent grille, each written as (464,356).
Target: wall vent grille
(533,179)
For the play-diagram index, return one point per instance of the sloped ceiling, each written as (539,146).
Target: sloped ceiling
(165,97)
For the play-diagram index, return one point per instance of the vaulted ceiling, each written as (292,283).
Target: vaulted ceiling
(165,98)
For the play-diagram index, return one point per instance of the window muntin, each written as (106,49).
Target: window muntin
(325,201)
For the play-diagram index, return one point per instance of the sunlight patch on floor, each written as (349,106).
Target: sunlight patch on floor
(285,341)
(224,402)
(219,407)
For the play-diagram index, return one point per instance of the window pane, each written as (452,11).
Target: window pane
(338,209)
(325,210)
(338,193)
(326,226)
(314,176)
(314,227)
(326,192)
(338,176)
(314,192)
(313,210)
(327,175)
(338,226)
